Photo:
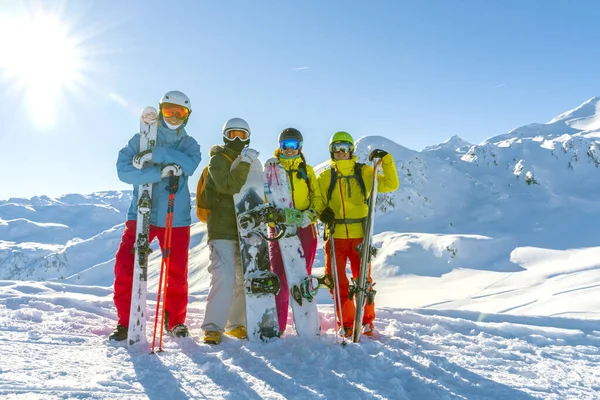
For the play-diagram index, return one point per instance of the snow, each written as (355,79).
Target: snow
(487,278)
(60,332)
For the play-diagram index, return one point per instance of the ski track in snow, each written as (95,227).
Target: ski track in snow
(53,342)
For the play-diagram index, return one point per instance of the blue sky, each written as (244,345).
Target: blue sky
(417,72)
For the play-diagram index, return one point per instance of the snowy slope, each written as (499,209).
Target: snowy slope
(60,333)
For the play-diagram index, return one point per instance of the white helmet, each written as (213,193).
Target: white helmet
(177,97)
(235,123)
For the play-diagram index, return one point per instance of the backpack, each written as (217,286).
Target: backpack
(357,175)
(202,210)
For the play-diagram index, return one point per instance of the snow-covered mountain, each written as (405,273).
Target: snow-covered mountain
(533,186)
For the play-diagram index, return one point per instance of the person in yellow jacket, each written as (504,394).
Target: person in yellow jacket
(307,198)
(346,208)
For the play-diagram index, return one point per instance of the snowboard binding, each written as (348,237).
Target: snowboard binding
(325,281)
(266,283)
(309,287)
(284,220)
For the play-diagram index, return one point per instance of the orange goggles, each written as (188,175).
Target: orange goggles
(170,110)
(237,133)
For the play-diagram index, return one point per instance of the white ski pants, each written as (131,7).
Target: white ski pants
(226,302)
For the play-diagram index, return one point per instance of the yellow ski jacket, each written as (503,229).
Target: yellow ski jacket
(304,188)
(347,200)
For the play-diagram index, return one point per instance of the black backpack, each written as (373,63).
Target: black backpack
(357,175)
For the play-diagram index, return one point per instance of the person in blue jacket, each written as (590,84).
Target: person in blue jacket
(178,154)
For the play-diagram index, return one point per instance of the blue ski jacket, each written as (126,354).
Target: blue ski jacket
(172,146)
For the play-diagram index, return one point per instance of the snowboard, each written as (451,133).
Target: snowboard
(278,194)
(137,315)
(360,291)
(260,283)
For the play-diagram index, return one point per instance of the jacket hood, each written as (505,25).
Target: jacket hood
(217,148)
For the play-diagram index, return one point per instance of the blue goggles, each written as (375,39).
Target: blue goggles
(293,144)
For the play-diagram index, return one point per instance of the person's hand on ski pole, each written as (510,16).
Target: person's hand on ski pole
(327,216)
(377,153)
(170,169)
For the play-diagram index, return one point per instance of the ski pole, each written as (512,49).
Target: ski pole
(158,295)
(337,305)
(172,188)
(162,285)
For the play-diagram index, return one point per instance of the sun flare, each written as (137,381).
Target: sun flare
(41,59)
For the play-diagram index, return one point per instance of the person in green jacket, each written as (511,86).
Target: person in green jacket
(226,303)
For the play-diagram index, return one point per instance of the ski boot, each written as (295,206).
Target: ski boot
(238,333)
(212,337)
(118,334)
(345,332)
(179,331)
(367,330)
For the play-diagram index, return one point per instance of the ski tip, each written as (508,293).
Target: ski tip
(149,115)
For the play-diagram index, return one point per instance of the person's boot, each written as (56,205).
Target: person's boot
(345,331)
(238,333)
(368,330)
(212,337)
(118,334)
(180,331)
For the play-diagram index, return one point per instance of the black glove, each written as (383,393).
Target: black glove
(327,216)
(377,153)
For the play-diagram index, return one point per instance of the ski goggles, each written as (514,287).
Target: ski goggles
(345,147)
(293,144)
(170,110)
(242,134)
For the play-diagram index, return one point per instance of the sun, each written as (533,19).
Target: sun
(41,58)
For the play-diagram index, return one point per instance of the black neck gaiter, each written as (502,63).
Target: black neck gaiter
(236,144)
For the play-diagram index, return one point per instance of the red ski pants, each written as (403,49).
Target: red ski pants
(177,285)
(308,240)
(345,249)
